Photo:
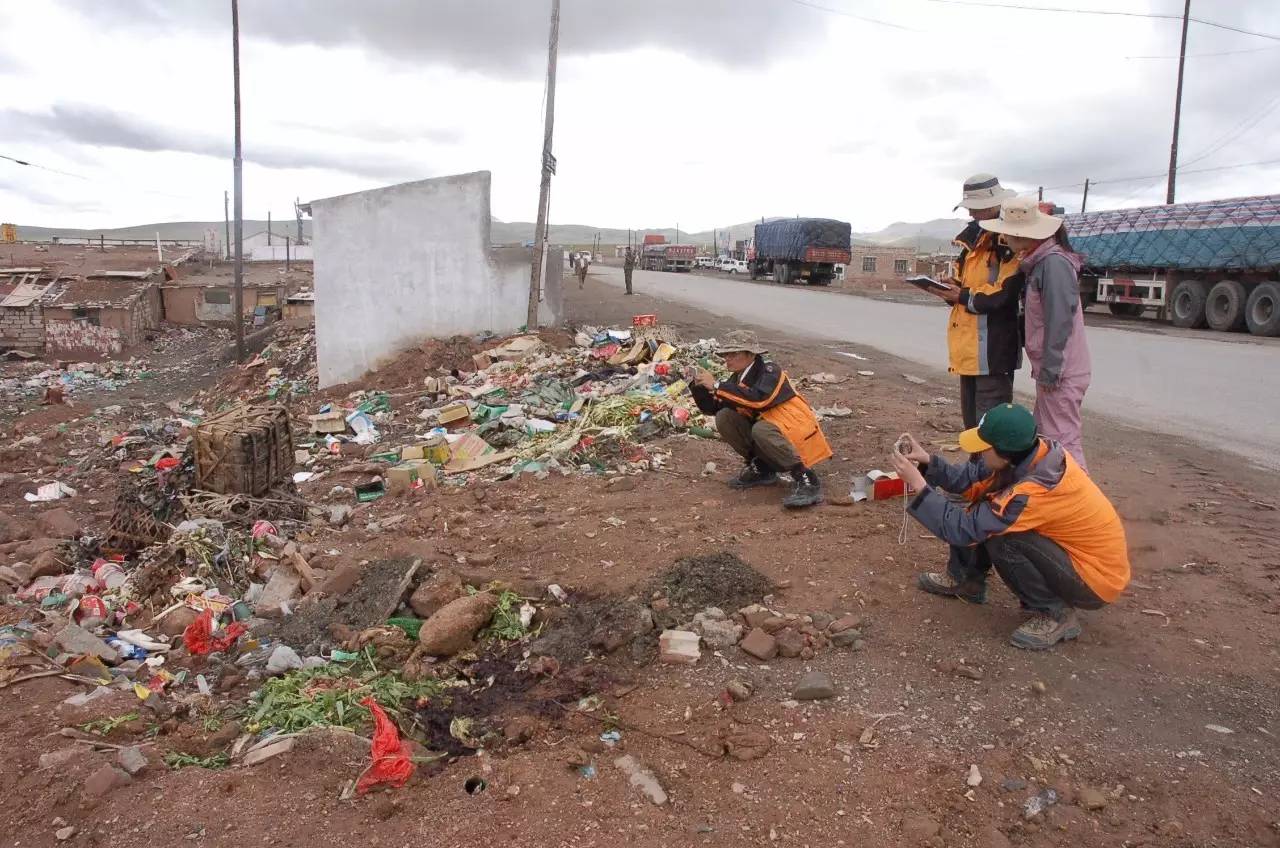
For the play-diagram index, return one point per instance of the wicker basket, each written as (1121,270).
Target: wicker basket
(245,450)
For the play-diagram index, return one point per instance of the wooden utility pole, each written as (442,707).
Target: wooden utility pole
(548,168)
(297,212)
(1177,106)
(1040,194)
(226,217)
(1084,201)
(238,187)
(268,228)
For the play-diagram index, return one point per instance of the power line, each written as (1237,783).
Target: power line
(42,167)
(1200,55)
(863,18)
(1108,12)
(1160,176)
(1235,132)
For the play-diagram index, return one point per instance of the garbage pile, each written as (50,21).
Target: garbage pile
(34,379)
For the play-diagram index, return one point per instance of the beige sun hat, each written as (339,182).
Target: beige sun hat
(740,340)
(1021,216)
(983,191)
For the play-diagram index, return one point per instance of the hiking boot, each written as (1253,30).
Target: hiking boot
(752,477)
(942,583)
(1044,631)
(805,492)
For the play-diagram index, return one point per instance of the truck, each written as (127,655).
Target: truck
(1209,264)
(800,250)
(668,257)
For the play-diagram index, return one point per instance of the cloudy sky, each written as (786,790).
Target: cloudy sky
(696,112)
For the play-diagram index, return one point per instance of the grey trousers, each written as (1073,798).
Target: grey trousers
(757,440)
(982,392)
(1034,567)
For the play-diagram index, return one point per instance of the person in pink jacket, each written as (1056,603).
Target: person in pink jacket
(1055,337)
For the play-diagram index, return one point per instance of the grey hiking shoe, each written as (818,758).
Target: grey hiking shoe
(804,493)
(1043,632)
(941,583)
(751,477)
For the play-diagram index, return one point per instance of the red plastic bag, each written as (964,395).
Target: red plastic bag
(392,758)
(166,463)
(199,638)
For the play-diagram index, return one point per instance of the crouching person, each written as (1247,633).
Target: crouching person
(762,417)
(1032,512)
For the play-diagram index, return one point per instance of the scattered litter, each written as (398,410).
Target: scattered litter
(50,492)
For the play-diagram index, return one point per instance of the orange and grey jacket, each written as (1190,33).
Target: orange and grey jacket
(1048,493)
(983,332)
(763,390)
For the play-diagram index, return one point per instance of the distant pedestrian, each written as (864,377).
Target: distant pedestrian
(628,265)
(983,335)
(582,270)
(1056,343)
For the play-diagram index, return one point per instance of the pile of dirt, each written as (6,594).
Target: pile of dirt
(380,590)
(712,580)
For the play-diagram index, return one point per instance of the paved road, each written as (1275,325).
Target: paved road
(1220,393)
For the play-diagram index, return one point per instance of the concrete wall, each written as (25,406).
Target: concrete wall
(276,253)
(397,265)
(22,328)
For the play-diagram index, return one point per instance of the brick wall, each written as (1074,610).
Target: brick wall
(880,264)
(22,328)
(81,339)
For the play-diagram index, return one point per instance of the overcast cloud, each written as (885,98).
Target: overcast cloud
(696,112)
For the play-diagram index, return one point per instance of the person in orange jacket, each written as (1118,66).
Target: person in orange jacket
(1031,512)
(762,417)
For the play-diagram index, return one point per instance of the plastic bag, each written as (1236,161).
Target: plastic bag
(199,638)
(392,758)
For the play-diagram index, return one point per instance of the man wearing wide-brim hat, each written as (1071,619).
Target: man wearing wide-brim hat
(762,417)
(983,337)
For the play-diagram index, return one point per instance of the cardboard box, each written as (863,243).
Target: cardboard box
(407,475)
(455,414)
(883,486)
(413,452)
(334,421)
(649,320)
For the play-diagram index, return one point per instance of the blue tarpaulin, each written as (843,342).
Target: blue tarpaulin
(1238,234)
(787,239)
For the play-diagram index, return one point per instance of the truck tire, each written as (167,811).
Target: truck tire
(782,273)
(755,271)
(1224,310)
(1186,307)
(1126,310)
(1262,311)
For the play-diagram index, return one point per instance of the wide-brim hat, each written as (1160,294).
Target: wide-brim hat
(983,191)
(740,340)
(1022,217)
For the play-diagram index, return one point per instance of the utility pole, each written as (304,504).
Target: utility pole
(238,301)
(677,232)
(1177,106)
(297,212)
(226,216)
(548,168)
(1084,201)
(1041,194)
(268,228)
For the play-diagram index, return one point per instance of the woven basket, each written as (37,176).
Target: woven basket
(245,450)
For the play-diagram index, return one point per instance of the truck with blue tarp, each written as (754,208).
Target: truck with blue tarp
(800,250)
(1214,263)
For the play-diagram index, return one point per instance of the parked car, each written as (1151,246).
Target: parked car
(735,266)
(723,263)
(705,262)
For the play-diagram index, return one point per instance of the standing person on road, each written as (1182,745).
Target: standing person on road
(1056,343)
(983,334)
(762,417)
(1032,512)
(628,265)
(582,270)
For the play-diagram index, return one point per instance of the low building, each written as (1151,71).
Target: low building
(101,315)
(880,263)
(300,309)
(207,294)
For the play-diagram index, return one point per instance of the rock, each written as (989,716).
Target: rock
(340,581)
(283,659)
(266,752)
(679,647)
(1014,784)
(47,563)
(641,778)
(821,620)
(968,671)
(843,623)
(480,559)
(773,624)
(1090,798)
(74,639)
(519,730)
(760,645)
(452,628)
(790,643)
(64,833)
(755,614)
(663,605)
(131,759)
(845,638)
(814,686)
(917,829)
(58,523)
(718,633)
(60,757)
(437,591)
(339,515)
(746,745)
(1039,688)
(991,837)
(104,781)
(284,586)
(223,736)
(738,690)
(974,779)
(173,624)
(621,484)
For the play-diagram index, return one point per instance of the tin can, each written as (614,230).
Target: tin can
(240,611)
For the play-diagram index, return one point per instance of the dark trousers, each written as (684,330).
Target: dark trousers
(982,392)
(759,441)
(626,275)
(1034,567)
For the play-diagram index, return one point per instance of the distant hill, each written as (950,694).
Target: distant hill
(193,230)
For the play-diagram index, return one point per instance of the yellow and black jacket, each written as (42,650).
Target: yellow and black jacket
(763,390)
(984,333)
(1049,493)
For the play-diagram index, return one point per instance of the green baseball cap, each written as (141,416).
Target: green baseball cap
(1008,427)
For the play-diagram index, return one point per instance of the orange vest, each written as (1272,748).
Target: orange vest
(794,417)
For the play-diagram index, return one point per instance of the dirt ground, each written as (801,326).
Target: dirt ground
(1126,724)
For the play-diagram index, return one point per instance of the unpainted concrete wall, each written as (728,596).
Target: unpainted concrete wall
(397,265)
(276,253)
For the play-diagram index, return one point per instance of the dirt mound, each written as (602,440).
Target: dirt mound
(712,580)
(374,598)
(598,626)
